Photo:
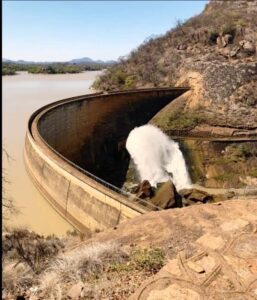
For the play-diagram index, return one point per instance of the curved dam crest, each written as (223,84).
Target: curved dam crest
(75,154)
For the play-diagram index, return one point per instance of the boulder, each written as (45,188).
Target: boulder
(76,291)
(194,195)
(166,196)
(247,47)
(145,190)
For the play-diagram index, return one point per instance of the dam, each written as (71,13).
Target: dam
(75,155)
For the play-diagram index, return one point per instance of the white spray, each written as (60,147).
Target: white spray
(157,157)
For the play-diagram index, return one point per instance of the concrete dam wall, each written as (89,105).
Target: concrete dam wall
(75,154)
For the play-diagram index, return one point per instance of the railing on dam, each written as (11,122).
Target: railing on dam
(145,204)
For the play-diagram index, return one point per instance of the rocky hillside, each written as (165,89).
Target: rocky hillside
(209,255)
(215,54)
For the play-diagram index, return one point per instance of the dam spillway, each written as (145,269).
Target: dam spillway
(74,154)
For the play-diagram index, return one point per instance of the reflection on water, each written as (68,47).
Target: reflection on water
(22,95)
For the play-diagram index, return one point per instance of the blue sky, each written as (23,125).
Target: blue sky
(63,30)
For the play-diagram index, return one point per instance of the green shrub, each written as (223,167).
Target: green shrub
(238,152)
(130,82)
(118,77)
(148,259)
(186,120)
(8,71)
(35,70)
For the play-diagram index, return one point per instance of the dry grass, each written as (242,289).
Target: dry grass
(16,276)
(50,286)
(75,266)
(86,261)
(64,270)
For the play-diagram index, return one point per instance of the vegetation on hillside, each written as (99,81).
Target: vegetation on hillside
(54,68)
(8,70)
(157,61)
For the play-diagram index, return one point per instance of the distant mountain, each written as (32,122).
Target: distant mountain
(82,60)
(6,60)
(77,61)
(21,61)
(85,60)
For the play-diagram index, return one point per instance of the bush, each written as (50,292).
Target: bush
(151,260)
(31,249)
(130,82)
(35,70)
(118,77)
(186,120)
(148,260)
(238,152)
(8,71)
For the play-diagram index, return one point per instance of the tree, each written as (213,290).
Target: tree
(7,202)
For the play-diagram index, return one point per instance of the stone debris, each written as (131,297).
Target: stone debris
(76,291)
(193,195)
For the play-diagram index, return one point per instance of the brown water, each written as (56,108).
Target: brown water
(22,95)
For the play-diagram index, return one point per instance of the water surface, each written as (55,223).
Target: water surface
(22,95)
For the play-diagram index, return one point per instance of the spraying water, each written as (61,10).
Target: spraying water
(157,157)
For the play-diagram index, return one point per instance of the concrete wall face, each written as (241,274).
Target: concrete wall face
(87,132)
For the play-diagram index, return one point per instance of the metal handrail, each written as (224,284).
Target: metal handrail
(112,187)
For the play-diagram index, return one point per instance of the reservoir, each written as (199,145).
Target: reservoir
(22,95)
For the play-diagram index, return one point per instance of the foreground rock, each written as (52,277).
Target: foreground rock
(211,250)
(221,264)
(167,196)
